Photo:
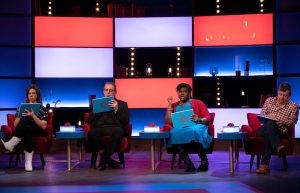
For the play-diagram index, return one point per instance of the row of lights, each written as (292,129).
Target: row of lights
(261,6)
(149,70)
(178,62)
(218,6)
(218,11)
(50,7)
(218,98)
(132,58)
(97,9)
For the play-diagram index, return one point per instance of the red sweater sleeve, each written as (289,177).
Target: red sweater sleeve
(201,110)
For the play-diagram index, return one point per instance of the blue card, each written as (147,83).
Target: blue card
(101,104)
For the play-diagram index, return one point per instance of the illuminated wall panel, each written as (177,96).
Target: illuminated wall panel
(153,32)
(73,31)
(149,116)
(3,118)
(223,58)
(15,30)
(248,29)
(15,6)
(71,92)
(74,62)
(14,92)
(288,59)
(15,61)
(287,27)
(148,93)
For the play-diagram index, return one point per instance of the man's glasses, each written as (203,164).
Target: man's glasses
(108,90)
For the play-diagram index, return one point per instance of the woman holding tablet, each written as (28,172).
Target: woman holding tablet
(28,124)
(196,133)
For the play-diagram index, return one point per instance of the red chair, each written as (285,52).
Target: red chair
(41,144)
(189,148)
(254,145)
(125,143)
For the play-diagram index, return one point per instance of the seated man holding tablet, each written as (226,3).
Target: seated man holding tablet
(193,131)
(30,120)
(108,119)
(276,115)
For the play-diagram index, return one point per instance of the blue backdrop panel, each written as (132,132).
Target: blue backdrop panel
(72,92)
(15,6)
(15,30)
(142,117)
(295,83)
(288,59)
(260,57)
(287,27)
(287,5)
(15,62)
(3,118)
(13,92)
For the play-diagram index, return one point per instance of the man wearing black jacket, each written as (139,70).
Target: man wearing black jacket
(111,124)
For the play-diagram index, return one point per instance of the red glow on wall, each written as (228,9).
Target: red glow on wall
(148,93)
(251,29)
(73,32)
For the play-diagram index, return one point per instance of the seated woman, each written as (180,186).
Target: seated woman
(196,134)
(27,126)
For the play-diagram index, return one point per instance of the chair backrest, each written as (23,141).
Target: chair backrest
(211,127)
(10,121)
(253,122)
(263,98)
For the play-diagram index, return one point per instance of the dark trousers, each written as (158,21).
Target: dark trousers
(271,135)
(26,130)
(96,135)
(181,148)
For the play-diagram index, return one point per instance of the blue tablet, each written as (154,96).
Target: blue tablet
(182,119)
(28,106)
(101,104)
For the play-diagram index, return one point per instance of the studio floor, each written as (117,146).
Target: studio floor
(137,176)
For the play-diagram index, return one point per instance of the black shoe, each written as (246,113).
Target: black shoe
(113,163)
(203,166)
(102,163)
(190,167)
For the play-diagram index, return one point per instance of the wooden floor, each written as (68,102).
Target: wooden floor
(138,177)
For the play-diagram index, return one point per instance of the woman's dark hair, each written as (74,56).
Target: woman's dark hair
(184,85)
(285,86)
(38,93)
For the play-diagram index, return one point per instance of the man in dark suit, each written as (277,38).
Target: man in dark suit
(111,124)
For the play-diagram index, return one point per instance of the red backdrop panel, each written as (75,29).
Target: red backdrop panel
(250,29)
(73,32)
(148,92)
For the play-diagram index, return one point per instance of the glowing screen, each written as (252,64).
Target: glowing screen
(248,29)
(148,93)
(153,32)
(73,31)
(74,62)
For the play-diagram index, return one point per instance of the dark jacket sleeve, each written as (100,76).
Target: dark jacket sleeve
(122,114)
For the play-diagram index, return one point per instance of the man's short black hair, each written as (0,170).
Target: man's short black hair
(285,86)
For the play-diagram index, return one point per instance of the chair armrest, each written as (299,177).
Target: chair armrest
(166,128)
(86,128)
(248,129)
(211,130)
(128,129)
(7,132)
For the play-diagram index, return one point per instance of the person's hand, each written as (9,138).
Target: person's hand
(28,113)
(114,104)
(170,100)
(271,115)
(194,118)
